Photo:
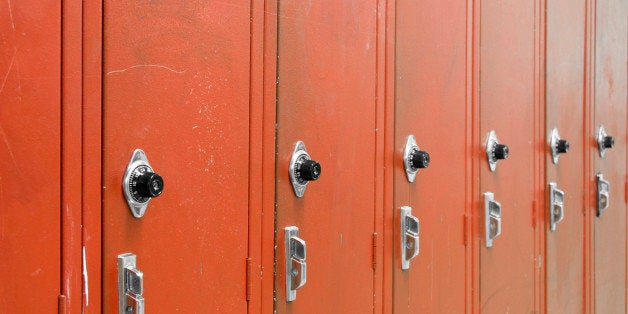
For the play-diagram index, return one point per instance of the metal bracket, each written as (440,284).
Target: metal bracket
(491,143)
(130,285)
(603,194)
(299,155)
(557,205)
(296,271)
(554,138)
(409,236)
(492,218)
(138,163)
(601,134)
(411,146)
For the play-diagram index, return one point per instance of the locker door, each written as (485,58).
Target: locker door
(430,102)
(326,99)
(507,106)
(610,111)
(564,111)
(177,86)
(30,117)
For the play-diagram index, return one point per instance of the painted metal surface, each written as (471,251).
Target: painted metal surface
(610,86)
(326,96)
(564,111)
(30,174)
(507,105)
(176,84)
(430,103)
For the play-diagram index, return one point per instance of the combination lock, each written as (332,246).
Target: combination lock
(495,151)
(302,169)
(414,158)
(140,183)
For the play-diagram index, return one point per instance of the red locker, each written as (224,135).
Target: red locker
(507,105)
(326,99)
(564,152)
(30,151)
(176,84)
(431,105)
(609,112)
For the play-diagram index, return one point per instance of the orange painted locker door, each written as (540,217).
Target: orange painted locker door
(176,86)
(430,105)
(506,212)
(609,228)
(564,151)
(326,100)
(30,151)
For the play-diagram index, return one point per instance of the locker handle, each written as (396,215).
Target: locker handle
(603,194)
(557,205)
(130,285)
(409,236)
(492,218)
(296,267)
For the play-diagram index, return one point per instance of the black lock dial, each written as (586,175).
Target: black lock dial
(562,146)
(308,170)
(145,184)
(500,151)
(608,141)
(419,159)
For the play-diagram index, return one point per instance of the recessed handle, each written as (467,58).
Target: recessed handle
(409,235)
(603,194)
(296,266)
(557,205)
(492,218)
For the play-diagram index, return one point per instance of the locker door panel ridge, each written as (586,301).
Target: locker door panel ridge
(609,229)
(326,99)
(507,63)
(430,104)
(564,112)
(30,151)
(176,85)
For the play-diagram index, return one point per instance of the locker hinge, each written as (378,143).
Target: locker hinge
(374,250)
(466,224)
(62,305)
(249,286)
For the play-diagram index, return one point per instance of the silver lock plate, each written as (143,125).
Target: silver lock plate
(298,155)
(603,194)
(411,146)
(491,142)
(601,134)
(554,138)
(556,205)
(137,165)
(492,218)
(409,235)
(130,285)
(296,267)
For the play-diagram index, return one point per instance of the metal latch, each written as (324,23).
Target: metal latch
(130,285)
(492,218)
(414,158)
(603,194)
(296,271)
(409,236)
(557,205)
